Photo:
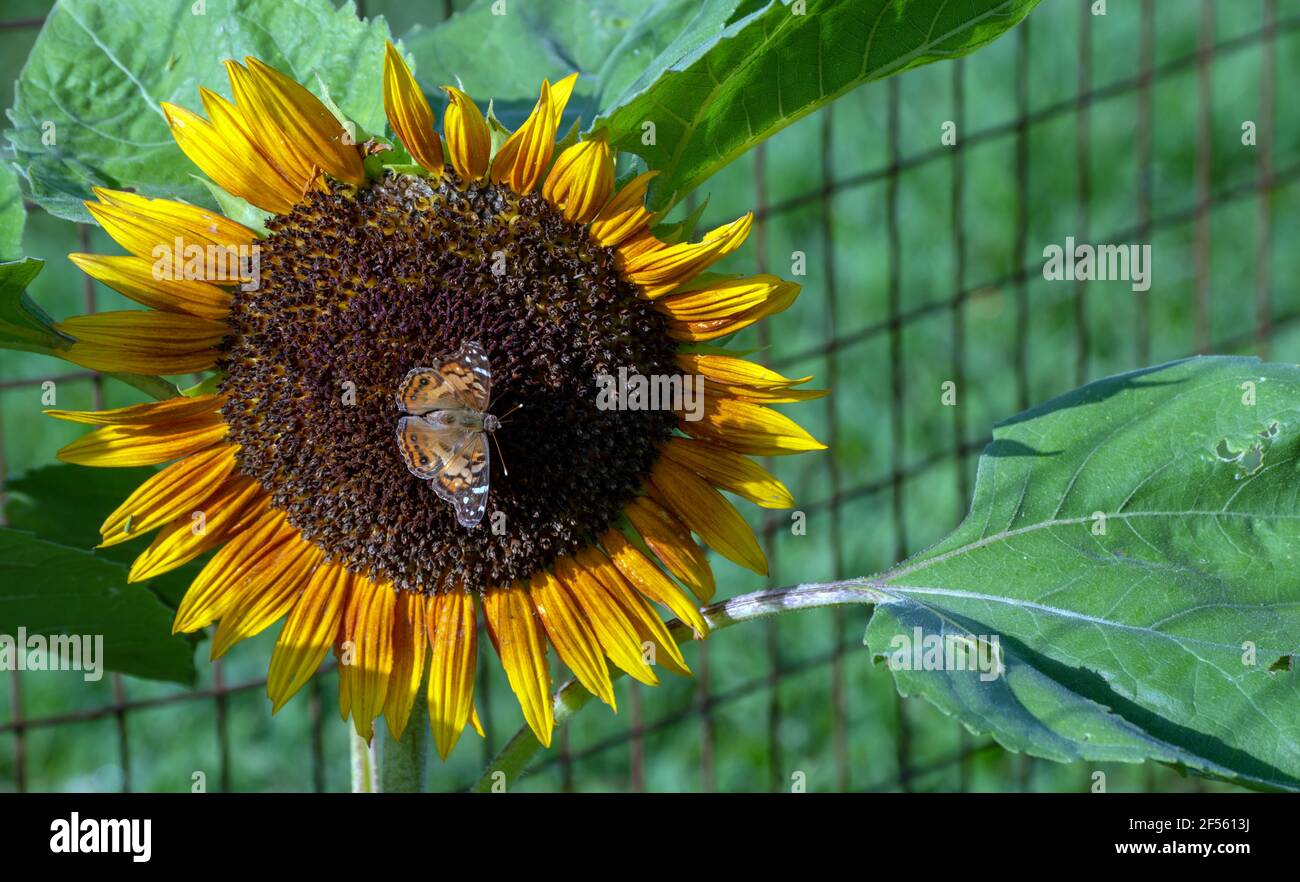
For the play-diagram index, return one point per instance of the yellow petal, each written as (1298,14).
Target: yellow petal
(144,222)
(690,330)
(294,165)
(730,377)
(625,216)
(671,542)
(453,648)
(169,493)
(410,640)
(660,270)
(229,160)
(468,140)
(729,370)
(310,630)
(235,504)
(706,512)
(249,138)
(244,558)
(523,158)
(366,653)
(714,389)
(517,636)
(266,593)
(409,113)
(134,277)
(610,622)
(729,470)
(143,342)
(749,428)
(126,446)
(638,244)
(572,636)
(647,578)
(308,124)
(649,627)
(581,180)
(181,409)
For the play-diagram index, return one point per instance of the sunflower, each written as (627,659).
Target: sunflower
(379,255)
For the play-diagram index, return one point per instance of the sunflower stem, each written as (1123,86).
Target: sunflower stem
(402,762)
(365,765)
(510,763)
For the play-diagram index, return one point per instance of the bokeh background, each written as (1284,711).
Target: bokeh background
(923,266)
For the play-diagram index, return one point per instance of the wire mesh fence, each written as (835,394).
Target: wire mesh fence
(923,266)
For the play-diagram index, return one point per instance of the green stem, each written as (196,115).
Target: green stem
(403,762)
(365,763)
(509,764)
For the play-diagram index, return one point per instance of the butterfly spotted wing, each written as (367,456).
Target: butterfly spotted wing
(461,379)
(454,461)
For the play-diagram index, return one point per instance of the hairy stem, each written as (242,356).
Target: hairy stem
(402,763)
(365,765)
(509,764)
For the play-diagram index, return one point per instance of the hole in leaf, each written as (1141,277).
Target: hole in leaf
(1282,664)
(1226,453)
(1251,461)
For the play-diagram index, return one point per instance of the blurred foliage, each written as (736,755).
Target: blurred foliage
(901,486)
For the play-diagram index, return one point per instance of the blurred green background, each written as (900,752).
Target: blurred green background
(923,266)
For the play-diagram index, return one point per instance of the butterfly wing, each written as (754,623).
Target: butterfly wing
(463,480)
(463,378)
(427,447)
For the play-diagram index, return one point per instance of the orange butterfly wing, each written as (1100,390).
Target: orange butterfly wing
(463,378)
(427,448)
(463,480)
(440,441)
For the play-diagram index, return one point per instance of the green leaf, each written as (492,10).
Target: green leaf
(23,324)
(51,589)
(238,209)
(12,214)
(26,327)
(67,503)
(743,70)
(684,229)
(98,73)
(1131,547)
(503,58)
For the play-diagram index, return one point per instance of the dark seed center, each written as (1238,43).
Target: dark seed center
(357,289)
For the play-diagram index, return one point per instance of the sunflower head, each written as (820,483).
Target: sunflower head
(382,257)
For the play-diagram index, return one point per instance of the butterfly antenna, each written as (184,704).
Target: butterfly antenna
(510,411)
(501,456)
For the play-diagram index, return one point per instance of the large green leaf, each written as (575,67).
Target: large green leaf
(503,58)
(51,589)
(12,214)
(1132,547)
(742,70)
(67,503)
(99,71)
